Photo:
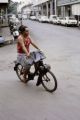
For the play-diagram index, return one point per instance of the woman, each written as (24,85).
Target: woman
(23,49)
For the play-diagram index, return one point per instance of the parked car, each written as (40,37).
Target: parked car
(32,17)
(38,17)
(52,17)
(56,20)
(2,40)
(24,17)
(43,19)
(14,20)
(69,21)
(60,19)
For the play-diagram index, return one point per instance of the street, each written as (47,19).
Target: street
(19,101)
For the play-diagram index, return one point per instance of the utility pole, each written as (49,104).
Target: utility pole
(21,15)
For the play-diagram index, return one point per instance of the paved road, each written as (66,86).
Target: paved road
(28,102)
(61,46)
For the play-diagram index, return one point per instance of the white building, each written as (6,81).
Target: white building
(68,7)
(3,6)
(26,10)
(46,7)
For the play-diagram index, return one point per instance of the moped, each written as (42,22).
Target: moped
(41,70)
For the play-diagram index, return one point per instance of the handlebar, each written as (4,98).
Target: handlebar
(37,55)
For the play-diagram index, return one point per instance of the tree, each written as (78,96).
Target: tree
(12,8)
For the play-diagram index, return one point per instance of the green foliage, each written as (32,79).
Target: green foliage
(12,8)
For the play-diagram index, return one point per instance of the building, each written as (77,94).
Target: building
(4,12)
(4,7)
(46,7)
(12,8)
(27,10)
(68,7)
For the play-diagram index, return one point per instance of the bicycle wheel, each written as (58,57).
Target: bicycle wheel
(20,73)
(49,81)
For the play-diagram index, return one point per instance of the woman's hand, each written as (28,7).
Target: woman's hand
(28,54)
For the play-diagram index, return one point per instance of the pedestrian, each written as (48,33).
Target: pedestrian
(23,49)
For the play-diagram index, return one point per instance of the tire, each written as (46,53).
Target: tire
(49,84)
(66,25)
(19,72)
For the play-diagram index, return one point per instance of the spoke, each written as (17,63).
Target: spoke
(47,78)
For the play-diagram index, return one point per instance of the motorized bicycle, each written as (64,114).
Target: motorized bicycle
(42,71)
(15,32)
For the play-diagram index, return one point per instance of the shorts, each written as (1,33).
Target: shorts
(24,60)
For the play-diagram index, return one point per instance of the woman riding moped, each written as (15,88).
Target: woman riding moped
(23,49)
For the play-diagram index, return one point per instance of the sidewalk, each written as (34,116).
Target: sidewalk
(5,32)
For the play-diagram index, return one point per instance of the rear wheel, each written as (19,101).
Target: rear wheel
(20,73)
(49,81)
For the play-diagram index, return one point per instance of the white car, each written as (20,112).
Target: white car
(24,17)
(38,17)
(60,19)
(69,21)
(43,19)
(14,20)
(32,17)
(56,20)
(52,17)
(2,40)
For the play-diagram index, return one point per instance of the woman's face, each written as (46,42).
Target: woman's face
(26,33)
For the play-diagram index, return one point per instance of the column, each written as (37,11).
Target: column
(55,6)
(42,9)
(51,7)
(63,11)
(6,14)
(47,9)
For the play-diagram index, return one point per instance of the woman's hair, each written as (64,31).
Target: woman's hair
(23,28)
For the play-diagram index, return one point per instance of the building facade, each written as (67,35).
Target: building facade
(27,10)
(68,7)
(56,7)
(46,7)
(3,10)
(3,7)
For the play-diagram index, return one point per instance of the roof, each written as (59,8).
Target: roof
(28,5)
(40,2)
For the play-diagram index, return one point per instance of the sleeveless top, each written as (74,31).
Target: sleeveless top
(26,43)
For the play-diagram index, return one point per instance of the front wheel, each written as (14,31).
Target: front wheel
(49,81)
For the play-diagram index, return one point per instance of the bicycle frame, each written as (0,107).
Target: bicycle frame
(40,70)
